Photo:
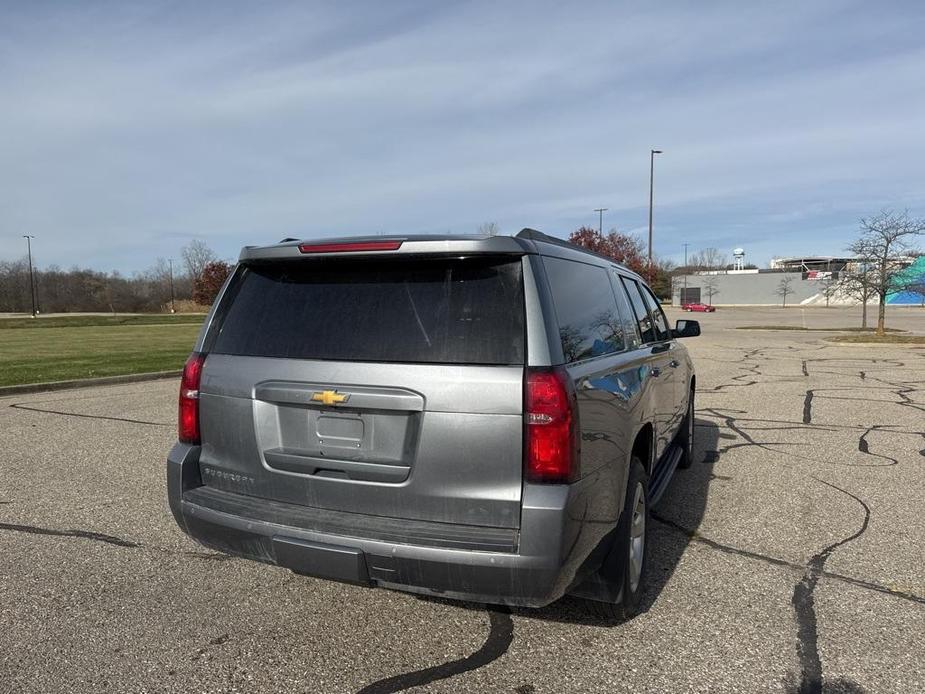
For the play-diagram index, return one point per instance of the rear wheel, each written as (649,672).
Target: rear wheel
(686,436)
(627,559)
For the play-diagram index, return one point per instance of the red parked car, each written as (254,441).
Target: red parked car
(703,308)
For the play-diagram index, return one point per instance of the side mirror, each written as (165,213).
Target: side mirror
(687,328)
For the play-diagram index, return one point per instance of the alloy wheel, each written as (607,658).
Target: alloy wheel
(637,546)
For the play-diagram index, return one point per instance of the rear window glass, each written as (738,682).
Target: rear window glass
(589,323)
(454,311)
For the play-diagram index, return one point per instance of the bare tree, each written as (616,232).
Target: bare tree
(858,284)
(707,259)
(884,245)
(489,229)
(783,288)
(829,289)
(662,281)
(677,287)
(713,259)
(196,255)
(711,284)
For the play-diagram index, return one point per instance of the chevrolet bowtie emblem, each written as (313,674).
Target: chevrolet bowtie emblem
(329,397)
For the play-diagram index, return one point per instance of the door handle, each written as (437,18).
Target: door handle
(674,363)
(656,371)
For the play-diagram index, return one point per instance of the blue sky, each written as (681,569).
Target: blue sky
(128,129)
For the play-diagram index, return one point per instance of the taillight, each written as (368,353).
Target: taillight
(353,247)
(551,440)
(188,417)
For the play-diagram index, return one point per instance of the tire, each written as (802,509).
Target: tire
(628,555)
(686,436)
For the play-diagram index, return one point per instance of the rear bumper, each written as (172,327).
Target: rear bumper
(530,567)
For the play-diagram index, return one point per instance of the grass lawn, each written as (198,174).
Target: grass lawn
(820,330)
(101,320)
(873,339)
(59,349)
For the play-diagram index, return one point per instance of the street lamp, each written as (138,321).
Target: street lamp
(173,306)
(600,221)
(28,239)
(652,153)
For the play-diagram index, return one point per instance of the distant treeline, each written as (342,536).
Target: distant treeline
(80,290)
(84,290)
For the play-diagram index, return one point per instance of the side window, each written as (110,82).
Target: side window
(646,328)
(630,326)
(589,323)
(661,323)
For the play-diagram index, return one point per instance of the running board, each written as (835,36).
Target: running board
(663,472)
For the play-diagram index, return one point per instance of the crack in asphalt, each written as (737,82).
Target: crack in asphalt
(892,428)
(731,421)
(811,677)
(500,637)
(750,370)
(20,406)
(84,534)
(109,540)
(695,536)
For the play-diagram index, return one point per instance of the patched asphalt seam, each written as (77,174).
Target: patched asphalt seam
(864,447)
(808,408)
(811,677)
(19,406)
(500,637)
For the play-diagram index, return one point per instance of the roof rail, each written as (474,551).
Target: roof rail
(534,235)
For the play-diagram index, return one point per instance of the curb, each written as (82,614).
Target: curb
(86,383)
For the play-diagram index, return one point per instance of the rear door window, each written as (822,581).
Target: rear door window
(630,326)
(589,322)
(643,319)
(452,311)
(661,323)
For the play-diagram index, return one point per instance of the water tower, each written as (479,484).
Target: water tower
(738,255)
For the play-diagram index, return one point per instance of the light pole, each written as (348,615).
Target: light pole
(173,307)
(652,153)
(684,293)
(600,221)
(28,239)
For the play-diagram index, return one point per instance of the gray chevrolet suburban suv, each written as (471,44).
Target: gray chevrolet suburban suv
(480,418)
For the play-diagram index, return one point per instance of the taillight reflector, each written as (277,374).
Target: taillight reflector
(551,445)
(350,247)
(188,413)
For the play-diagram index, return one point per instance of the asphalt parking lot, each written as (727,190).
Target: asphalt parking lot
(791,554)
